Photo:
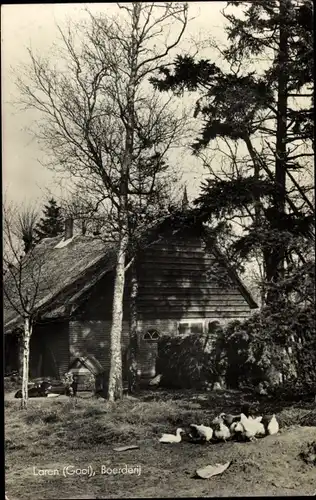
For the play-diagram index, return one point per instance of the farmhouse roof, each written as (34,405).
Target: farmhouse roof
(62,271)
(59,272)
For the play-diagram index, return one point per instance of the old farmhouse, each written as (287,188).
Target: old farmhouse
(184,284)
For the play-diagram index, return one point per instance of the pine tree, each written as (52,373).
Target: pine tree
(243,105)
(51,224)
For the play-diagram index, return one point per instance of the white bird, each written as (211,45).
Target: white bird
(255,419)
(252,427)
(235,427)
(273,426)
(203,431)
(227,418)
(156,380)
(172,438)
(221,431)
(260,429)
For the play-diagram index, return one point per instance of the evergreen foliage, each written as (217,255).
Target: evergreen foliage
(241,104)
(246,353)
(284,339)
(51,224)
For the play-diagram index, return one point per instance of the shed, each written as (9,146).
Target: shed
(85,369)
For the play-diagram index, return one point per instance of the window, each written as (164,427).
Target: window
(152,335)
(190,327)
(213,326)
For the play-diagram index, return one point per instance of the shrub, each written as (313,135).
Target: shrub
(184,362)
(245,353)
(284,340)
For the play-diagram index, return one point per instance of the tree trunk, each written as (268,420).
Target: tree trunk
(133,341)
(276,268)
(26,361)
(115,387)
(20,354)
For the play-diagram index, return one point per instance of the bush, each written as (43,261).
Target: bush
(184,362)
(257,350)
(284,341)
(246,353)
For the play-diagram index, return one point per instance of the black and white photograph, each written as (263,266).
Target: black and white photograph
(158,215)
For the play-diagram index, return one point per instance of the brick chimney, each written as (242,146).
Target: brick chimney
(69,228)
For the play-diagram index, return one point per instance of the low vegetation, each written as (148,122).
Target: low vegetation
(247,353)
(53,433)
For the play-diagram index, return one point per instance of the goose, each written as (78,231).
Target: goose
(252,427)
(203,431)
(221,431)
(172,438)
(236,428)
(255,419)
(229,419)
(271,425)
(260,428)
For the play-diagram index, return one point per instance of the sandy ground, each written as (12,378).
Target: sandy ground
(271,466)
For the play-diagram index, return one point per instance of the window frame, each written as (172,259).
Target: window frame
(189,322)
(151,332)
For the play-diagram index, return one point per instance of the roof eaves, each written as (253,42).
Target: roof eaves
(66,291)
(242,288)
(233,274)
(46,301)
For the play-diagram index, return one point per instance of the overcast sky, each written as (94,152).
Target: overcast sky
(35,25)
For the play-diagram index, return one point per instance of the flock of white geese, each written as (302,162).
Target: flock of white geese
(225,427)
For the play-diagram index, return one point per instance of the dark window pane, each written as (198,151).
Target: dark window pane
(184,328)
(196,327)
(213,326)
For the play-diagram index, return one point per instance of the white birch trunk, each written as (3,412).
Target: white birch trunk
(115,387)
(132,368)
(26,361)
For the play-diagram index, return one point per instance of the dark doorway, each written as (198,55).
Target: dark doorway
(11,353)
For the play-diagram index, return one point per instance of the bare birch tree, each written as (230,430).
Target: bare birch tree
(26,223)
(21,282)
(103,125)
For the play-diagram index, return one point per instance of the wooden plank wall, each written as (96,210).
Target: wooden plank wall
(175,282)
(93,337)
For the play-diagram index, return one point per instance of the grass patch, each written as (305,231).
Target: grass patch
(55,432)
